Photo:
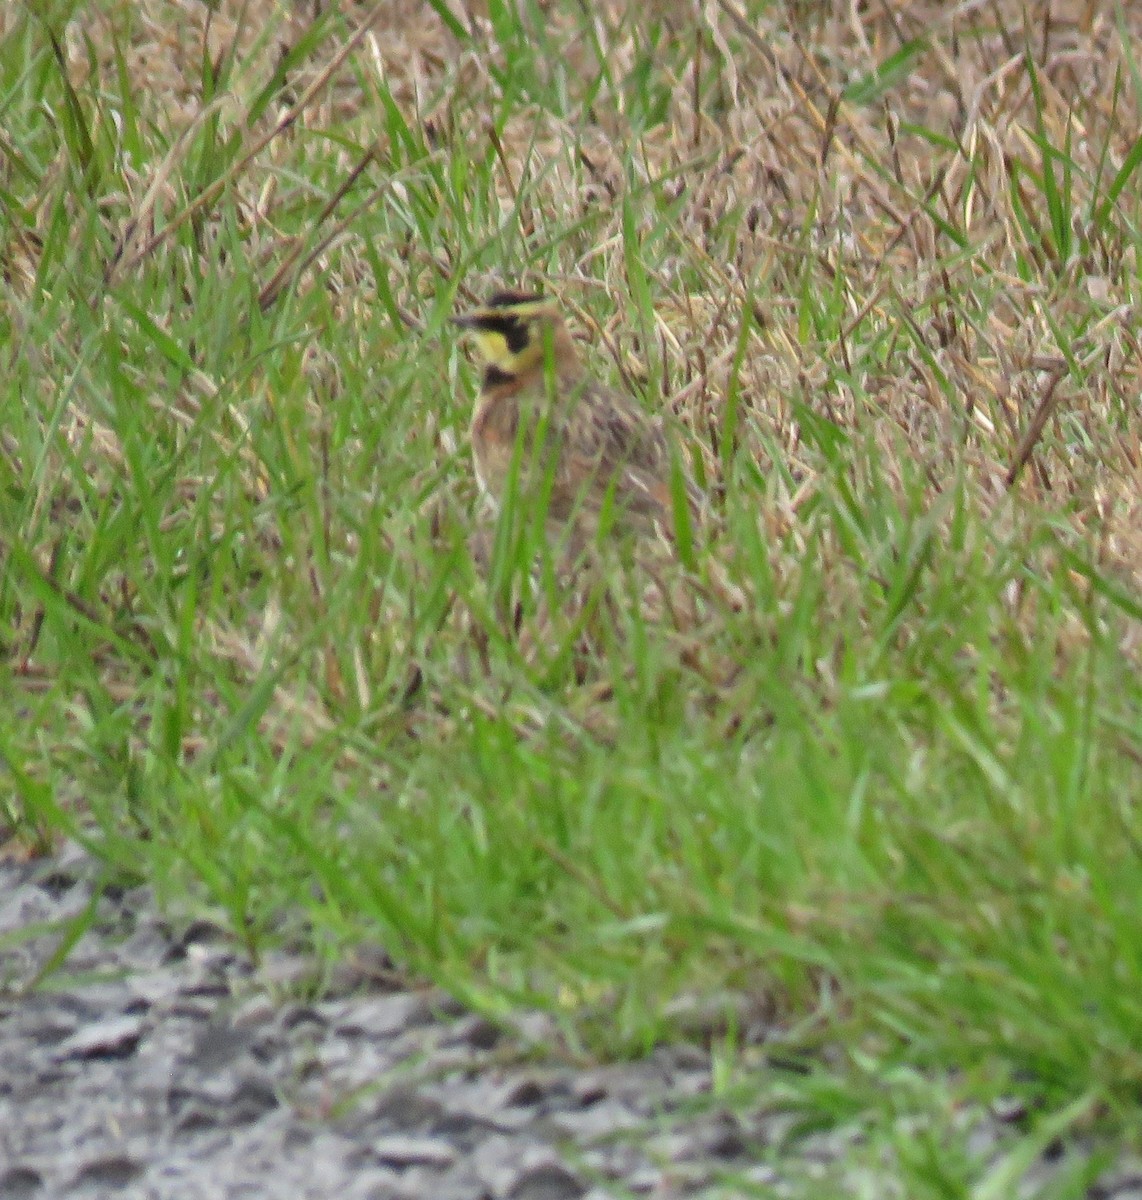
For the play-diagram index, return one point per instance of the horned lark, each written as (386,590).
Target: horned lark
(590,449)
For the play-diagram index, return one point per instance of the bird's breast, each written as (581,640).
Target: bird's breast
(495,423)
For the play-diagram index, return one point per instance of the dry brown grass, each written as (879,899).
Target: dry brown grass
(895,288)
(783,186)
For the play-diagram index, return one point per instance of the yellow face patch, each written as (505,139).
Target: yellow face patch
(493,348)
(513,332)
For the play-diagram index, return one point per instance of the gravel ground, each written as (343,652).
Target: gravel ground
(165,1068)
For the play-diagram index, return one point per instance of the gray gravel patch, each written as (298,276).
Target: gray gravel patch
(158,1064)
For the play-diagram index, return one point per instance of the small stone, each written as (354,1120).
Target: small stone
(99,997)
(252,1099)
(198,933)
(401,1151)
(1009,1109)
(257,1012)
(194,1116)
(45,1024)
(195,1007)
(116,1037)
(549,1182)
(441,1006)
(306,1017)
(403,1108)
(597,1121)
(380,1017)
(475,1031)
(524,1093)
(465,1130)
(156,986)
(115,1171)
(523,1169)
(20,1183)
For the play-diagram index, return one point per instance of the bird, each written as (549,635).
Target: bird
(589,448)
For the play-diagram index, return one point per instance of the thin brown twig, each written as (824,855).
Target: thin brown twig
(209,194)
(1039,421)
(273,289)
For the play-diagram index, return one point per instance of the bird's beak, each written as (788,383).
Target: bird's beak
(466,320)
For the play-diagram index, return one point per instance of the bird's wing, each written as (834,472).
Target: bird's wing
(609,442)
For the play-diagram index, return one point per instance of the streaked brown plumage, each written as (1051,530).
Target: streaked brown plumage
(583,440)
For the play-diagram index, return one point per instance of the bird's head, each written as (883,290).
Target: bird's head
(515,332)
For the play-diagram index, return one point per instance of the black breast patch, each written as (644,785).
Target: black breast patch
(493,376)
